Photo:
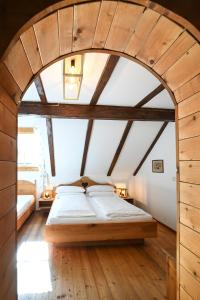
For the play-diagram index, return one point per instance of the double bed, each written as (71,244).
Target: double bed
(26,195)
(89,217)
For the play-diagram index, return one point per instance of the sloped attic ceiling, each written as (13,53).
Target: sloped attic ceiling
(128,85)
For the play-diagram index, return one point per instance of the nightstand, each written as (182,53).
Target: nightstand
(129,200)
(45,204)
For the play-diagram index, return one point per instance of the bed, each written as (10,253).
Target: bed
(95,229)
(26,195)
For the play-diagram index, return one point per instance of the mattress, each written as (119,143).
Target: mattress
(23,202)
(99,218)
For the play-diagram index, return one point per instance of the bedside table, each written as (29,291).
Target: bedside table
(129,200)
(45,204)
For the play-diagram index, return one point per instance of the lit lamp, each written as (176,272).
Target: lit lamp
(122,190)
(72,77)
(48,193)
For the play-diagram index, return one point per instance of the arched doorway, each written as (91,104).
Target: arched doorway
(162,43)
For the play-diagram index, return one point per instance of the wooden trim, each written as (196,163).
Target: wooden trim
(150,96)
(63,234)
(51,145)
(119,148)
(105,76)
(98,112)
(27,169)
(87,142)
(25,130)
(40,89)
(150,148)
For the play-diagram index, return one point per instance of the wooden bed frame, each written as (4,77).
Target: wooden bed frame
(98,233)
(25,187)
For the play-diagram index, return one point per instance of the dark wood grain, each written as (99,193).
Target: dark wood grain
(87,142)
(99,112)
(119,148)
(105,76)
(150,96)
(150,148)
(40,89)
(51,145)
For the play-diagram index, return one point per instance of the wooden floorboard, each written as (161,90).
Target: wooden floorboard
(104,272)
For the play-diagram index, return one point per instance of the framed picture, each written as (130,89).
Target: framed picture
(157,166)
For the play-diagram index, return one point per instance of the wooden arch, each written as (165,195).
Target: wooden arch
(162,41)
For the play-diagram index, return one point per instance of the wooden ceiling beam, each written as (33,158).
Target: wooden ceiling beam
(150,96)
(86,146)
(40,89)
(119,148)
(98,112)
(51,145)
(105,76)
(151,147)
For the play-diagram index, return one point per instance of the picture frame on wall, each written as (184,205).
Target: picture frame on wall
(158,166)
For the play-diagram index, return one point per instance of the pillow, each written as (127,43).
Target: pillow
(101,194)
(69,189)
(100,188)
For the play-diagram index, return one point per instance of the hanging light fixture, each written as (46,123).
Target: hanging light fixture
(72,77)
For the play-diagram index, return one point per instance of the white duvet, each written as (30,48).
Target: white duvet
(23,202)
(73,206)
(115,207)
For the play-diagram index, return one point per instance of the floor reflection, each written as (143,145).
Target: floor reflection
(33,268)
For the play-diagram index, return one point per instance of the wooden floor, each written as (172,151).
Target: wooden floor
(120,272)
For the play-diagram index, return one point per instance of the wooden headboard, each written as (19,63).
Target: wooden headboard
(25,187)
(85,182)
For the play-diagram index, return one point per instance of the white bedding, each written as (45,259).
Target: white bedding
(113,207)
(23,202)
(73,206)
(98,218)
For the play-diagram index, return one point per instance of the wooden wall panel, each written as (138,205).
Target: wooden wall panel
(8,269)
(144,26)
(188,89)
(189,126)
(7,226)
(189,216)
(7,81)
(189,283)
(190,261)
(189,194)
(160,39)
(123,26)
(189,149)
(184,295)
(189,106)
(190,239)
(7,101)
(105,19)
(30,45)
(7,199)
(190,171)
(18,65)
(177,49)
(84,28)
(65,22)
(46,32)
(187,67)
(7,121)
(7,174)
(7,148)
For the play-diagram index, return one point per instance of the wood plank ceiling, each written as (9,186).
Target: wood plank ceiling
(98,112)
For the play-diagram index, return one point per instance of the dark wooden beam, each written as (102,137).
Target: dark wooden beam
(150,148)
(40,89)
(105,76)
(99,112)
(87,142)
(150,96)
(119,148)
(51,145)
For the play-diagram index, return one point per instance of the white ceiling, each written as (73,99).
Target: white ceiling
(128,85)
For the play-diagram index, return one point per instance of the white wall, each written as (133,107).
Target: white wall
(156,192)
